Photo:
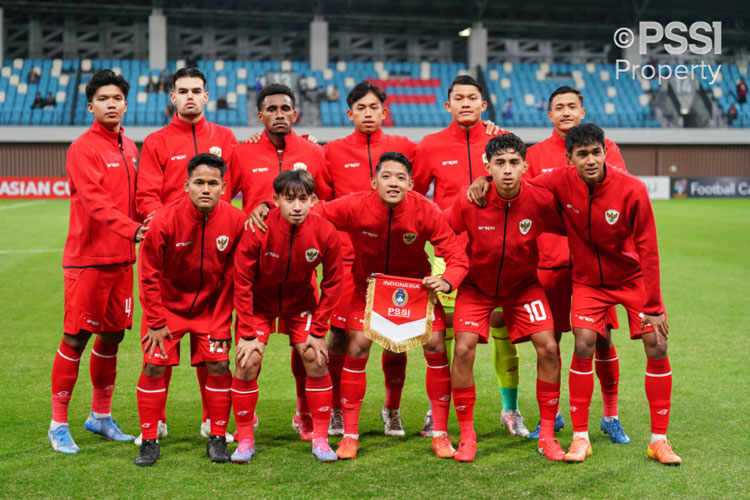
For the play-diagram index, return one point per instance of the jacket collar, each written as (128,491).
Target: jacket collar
(360,138)
(100,129)
(381,210)
(290,140)
(497,201)
(277,221)
(184,126)
(196,214)
(476,132)
(557,140)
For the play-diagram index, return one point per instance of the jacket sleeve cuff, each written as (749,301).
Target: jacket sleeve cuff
(449,284)
(135,235)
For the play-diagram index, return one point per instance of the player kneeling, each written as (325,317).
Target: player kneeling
(503,258)
(185,268)
(273,274)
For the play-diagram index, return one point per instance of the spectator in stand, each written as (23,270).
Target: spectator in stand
(33,77)
(191,61)
(508,109)
(169,112)
(741,91)
(221,102)
(50,102)
(153,85)
(38,101)
(732,114)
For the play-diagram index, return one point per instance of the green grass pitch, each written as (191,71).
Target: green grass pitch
(705,275)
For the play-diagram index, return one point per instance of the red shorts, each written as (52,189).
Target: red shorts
(592,304)
(200,346)
(358,302)
(525,314)
(339,316)
(296,326)
(558,287)
(98,299)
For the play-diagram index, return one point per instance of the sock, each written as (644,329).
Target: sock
(548,396)
(505,361)
(659,393)
(152,396)
(300,375)
(581,386)
(607,367)
(657,437)
(335,365)
(64,375)
(244,401)
(319,391)
(202,373)
(353,389)
(438,382)
(463,400)
(167,380)
(583,434)
(219,402)
(449,332)
(103,371)
(559,360)
(394,370)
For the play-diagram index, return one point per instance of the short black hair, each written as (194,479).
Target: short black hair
(294,183)
(565,89)
(585,134)
(208,160)
(502,143)
(362,89)
(393,156)
(274,89)
(105,77)
(191,72)
(464,80)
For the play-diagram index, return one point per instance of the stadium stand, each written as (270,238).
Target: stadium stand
(416,91)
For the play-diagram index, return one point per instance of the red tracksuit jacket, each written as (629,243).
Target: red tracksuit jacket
(274,269)
(256,165)
(391,241)
(543,157)
(101,167)
(166,153)
(502,237)
(452,157)
(186,263)
(611,230)
(351,165)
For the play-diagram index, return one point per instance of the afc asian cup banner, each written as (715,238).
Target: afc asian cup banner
(399,312)
(12,188)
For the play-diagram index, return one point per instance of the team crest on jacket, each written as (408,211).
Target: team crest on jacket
(311,254)
(215,150)
(300,166)
(410,238)
(400,297)
(222,242)
(524,226)
(612,216)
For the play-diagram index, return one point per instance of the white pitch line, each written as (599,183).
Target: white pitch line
(22,204)
(32,250)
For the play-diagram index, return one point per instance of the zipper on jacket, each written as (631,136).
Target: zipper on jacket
(195,142)
(502,253)
(200,283)
(127,172)
(369,156)
(596,247)
(468,151)
(280,157)
(388,244)
(288,264)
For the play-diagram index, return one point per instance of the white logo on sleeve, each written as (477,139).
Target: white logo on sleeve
(612,216)
(524,226)
(222,242)
(215,150)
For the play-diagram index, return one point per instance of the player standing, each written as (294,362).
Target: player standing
(185,272)
(612,235)
(161,174)
(254,167)
(566,111)
(97,260)
(502,272)
(389,227)
(274,270)
(350,168)
(453,159)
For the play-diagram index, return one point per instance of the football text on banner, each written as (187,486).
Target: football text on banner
(710,187)
(399,312)
(12,188)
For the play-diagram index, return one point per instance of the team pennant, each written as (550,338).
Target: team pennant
(399,312)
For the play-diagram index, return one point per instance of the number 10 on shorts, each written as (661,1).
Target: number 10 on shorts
(536,311)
